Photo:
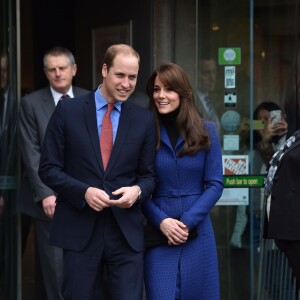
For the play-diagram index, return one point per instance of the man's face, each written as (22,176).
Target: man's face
(60,73)
(4,72)
(120,80)
(207,75)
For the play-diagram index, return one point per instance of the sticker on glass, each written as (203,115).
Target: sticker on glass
(229,77)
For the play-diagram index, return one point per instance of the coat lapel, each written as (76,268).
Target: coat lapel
(47,103)
(164,138)
(90,110)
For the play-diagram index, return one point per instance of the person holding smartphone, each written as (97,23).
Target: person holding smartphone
(267,141)
(273,134)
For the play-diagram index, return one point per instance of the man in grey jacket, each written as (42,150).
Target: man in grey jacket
(37,200)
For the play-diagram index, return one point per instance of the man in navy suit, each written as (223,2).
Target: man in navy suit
(36,199)
(98,218)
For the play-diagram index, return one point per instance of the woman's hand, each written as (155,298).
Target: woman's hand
(280,128)
(176,231)
(270,130)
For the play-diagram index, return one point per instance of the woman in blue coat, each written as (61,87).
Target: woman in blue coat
(190,182)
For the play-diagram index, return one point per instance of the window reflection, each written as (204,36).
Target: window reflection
(8,184)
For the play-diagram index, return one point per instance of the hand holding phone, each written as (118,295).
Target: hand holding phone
(275,116)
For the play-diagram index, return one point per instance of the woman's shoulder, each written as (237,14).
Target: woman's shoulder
(211,127)
(209,124)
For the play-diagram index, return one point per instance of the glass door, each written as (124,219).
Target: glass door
(9,249)
(241,57)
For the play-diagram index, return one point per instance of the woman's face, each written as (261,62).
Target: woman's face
(165,99)
(263,115)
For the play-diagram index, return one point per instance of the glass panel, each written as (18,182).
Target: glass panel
(213,46)
(242,68)
(229,37)
(276,87)
(8,154)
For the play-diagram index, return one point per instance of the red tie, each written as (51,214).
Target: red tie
(106,138)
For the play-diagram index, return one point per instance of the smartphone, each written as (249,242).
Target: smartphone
(277,116)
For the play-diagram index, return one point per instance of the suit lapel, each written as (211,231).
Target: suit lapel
(47,103)
(90,110)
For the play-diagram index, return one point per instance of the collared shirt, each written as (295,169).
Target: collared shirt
(101,108)
(56,96)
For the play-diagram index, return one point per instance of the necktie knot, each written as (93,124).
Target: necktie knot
(110,107)
(65,96)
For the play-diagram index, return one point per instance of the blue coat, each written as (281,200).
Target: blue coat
(188,188)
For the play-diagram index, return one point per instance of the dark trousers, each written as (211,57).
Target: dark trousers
(50,261)
(83,271)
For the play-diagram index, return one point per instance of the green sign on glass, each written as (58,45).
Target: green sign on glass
(229,56)
(243,181)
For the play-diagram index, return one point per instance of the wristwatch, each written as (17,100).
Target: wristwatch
(139,194)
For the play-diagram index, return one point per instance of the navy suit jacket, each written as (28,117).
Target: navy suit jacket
(71,162)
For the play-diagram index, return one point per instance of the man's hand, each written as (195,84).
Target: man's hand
(49,204)
(129,196)
(98,199)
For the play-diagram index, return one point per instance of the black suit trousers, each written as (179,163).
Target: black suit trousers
(107,246)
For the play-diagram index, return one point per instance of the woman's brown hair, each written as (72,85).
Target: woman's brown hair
(189,121)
